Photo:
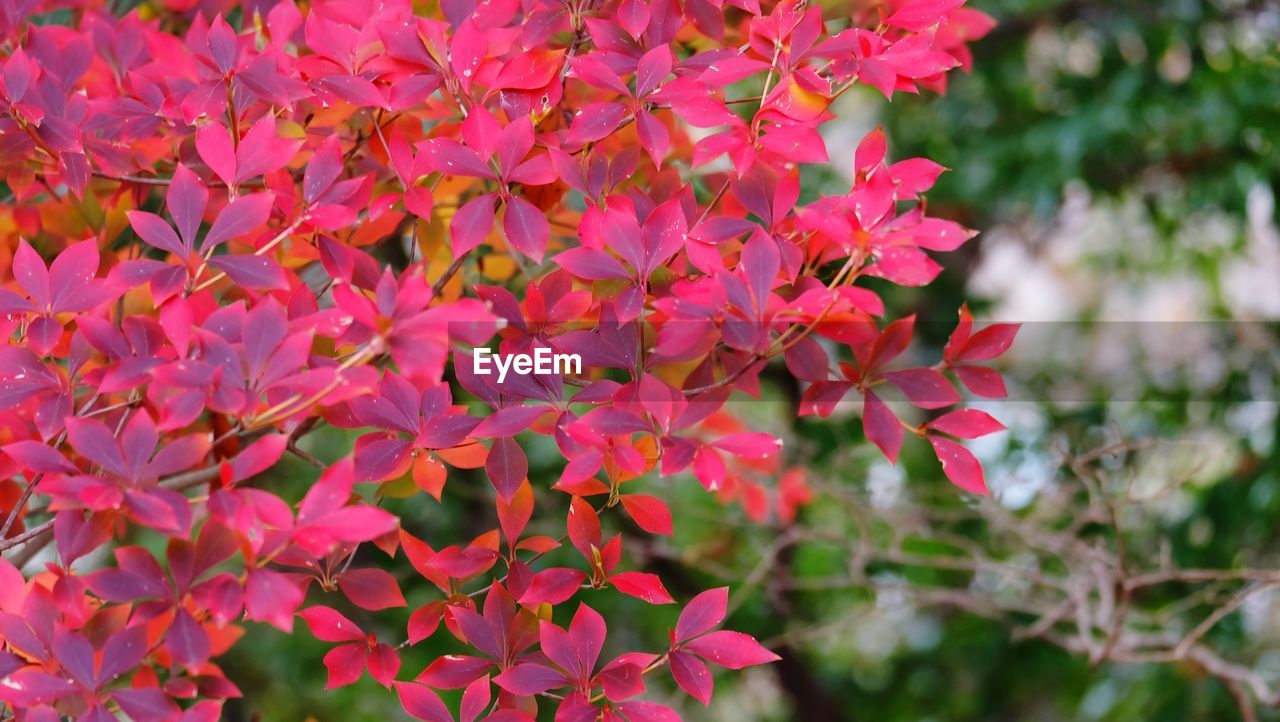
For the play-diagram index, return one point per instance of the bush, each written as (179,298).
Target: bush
(264,223)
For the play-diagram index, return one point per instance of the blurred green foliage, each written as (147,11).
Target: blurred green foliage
(1106,92)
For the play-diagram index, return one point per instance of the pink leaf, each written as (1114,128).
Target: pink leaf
(475,699)
(271,597)
(982,381)
(471,224)
(881,426)
(450,157)
(454,671)
(595,122)
(692,675)
(530,678)
(261,151)
(345,664)
(260,456)
(750,445)
(759,265)
(917,15)
(653,136)
(507,466)
(989,343)
(966,424)
(960,465)
(371,589)
(642,585)
(355,90)
(734,650)
(186,200)
(39,457)
(924,387)
(187,641)
(870,152)
(649,512)
(256,272)
(529,70)
(592,264)
(242,215)
(213,144)
(329,625)
(323,169)
(420,702)
(384,664)
(702,613)
(526,228)
(647,712)
(553,586)
(158,234)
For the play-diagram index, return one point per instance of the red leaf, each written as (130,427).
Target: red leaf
(475,699)
(454,671)
(733,650)
(703,612)
(239,217)
(594,122)
(355,90)
(881,426)
(422,703)
(960,465)
(328,625)
(471,224)
(870,152)
(592,264)
(187,641)
(425,620)
(989,343)
(750,445)
(39,457)
(261,151)
(692,675)
(384,664)
(260,456)
(254,272)
(158,234)
(530,678)
(924,387)
(12,588)
(966,424)
(649,512)
(642,585)
(514,514)
(982,381)
(272,597)
(323,169)
(647,712)
(553,586)
(529,70)
(920,14)
(583,526)
(759,265)
(450,157)
(213,144)
(507,466)
(371,589)
(345,665)
(526,228)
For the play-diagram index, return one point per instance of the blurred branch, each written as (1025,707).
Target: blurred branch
(1085,567)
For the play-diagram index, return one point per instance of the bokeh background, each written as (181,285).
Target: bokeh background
(1120,158)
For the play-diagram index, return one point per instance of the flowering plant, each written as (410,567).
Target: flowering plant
(265,218)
